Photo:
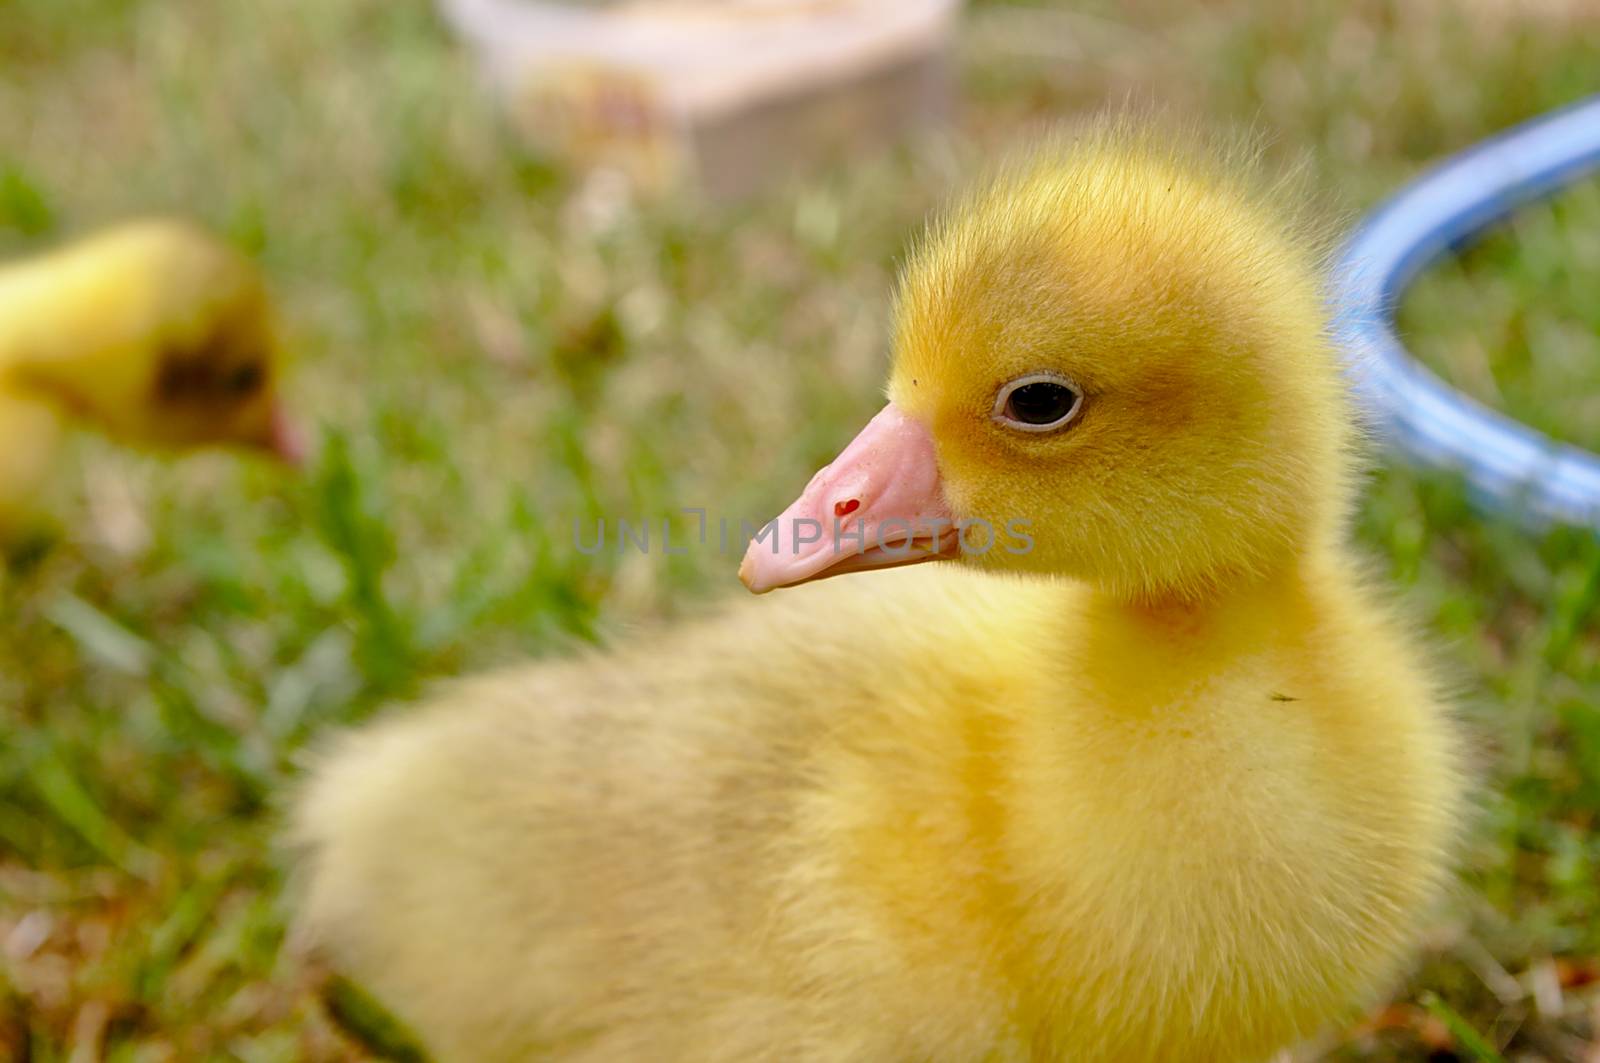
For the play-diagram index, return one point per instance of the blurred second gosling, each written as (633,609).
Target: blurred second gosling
(155,332)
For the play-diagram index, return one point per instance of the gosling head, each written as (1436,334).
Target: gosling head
(1110,363)
(162,336)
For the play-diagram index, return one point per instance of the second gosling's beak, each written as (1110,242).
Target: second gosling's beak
(879,504)
(284,439)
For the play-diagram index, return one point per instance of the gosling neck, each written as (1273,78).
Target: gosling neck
(1268,596)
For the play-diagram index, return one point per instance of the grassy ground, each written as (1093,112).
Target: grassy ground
(492,347)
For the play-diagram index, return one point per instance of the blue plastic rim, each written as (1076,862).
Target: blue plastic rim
(1509,467)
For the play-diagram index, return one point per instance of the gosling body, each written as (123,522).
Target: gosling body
(1171,785)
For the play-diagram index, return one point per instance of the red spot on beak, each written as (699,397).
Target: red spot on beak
(847,507)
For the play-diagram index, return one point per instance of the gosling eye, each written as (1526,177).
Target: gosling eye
(1038,402)
(244,380)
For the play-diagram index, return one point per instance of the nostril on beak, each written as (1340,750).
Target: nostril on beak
(846,507)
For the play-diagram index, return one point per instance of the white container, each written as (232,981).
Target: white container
(725,93)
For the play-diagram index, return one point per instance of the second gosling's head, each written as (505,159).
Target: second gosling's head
(1118,346)
(164,336)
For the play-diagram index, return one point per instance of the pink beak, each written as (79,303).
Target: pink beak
(284,438)
(879,504)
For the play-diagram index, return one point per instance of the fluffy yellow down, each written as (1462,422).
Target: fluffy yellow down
(1174,788)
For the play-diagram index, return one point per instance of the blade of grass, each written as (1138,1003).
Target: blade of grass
(101,637)
(1467,1038)
(56,785)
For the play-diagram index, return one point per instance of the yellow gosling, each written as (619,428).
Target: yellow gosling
(1155,778)
(153,331)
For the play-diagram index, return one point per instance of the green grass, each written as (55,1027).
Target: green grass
(1514,322)
(493,347)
